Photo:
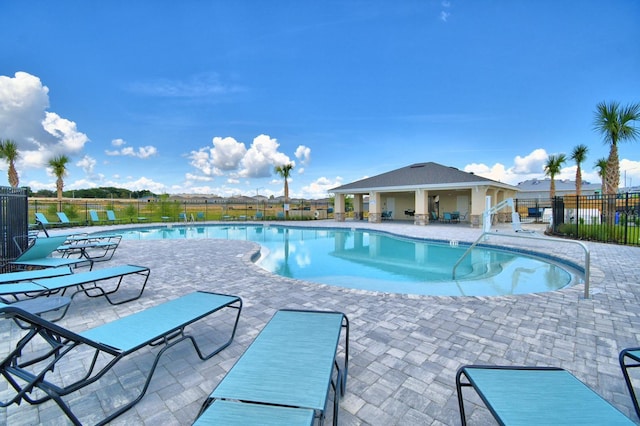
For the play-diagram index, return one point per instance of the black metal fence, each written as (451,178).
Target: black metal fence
(605,218)
(166,210)
(13,222)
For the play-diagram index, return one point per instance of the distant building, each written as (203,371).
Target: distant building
(539,189)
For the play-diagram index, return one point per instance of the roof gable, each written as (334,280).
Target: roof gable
(418,174)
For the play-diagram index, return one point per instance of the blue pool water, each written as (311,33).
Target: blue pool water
(381,262)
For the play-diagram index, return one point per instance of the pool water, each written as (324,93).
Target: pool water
(375,261)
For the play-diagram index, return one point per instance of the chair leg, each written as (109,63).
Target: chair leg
(625,372)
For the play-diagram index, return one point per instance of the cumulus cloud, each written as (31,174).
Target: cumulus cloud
(262,157)
(320,187)
(142,152)
(24,117)
(87,164)
(532,163)
(303,154)
(229,156)
(528,167)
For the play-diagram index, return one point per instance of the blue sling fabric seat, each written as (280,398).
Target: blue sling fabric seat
(16,277)
(39,255)
(51,362)
(536,396)
(231,413)
(92,247)
(293,363)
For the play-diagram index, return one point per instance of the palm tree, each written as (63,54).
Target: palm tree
(59,166)
(9,151)
(284,171)
(551,168)
(601,165)
(614,122)
(579,154)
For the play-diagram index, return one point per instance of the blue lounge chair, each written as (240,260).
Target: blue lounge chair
(630,358)
(536,396)
(42,220)
(92,247)
(14,283)
(182,217)
(94,217)
(111,217)
(200,216)
(39,255)
(292,363)
(88,282)
(65,220)
(35,377)
(16,277)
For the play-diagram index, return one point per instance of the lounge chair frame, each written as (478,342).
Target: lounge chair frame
(291,343)
(87,282)
(91,247)
(162,325)
(536,395)
(630,358)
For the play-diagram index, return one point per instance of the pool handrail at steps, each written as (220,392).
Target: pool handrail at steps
(485,235)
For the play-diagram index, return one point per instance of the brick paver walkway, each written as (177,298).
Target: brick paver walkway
(405,349)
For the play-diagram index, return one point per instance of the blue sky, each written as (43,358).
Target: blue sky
(208,96)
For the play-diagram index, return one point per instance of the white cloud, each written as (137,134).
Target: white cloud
(303,154)
(630,170)
(142,152)
(524,168)
(204,85)
(319,188)
(227,153)
(262,157)
(87,164)
(24,117)
(532,163)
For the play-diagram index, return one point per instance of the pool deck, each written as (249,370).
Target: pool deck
(405,349)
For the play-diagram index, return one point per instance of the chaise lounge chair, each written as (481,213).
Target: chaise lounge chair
(14,283)
(92,247)
(94,217)
(49,352)
(42,220)
(536,396)
(39,255)
(292,364)
(65,220)
(90,282)
(111,217)
(630,358)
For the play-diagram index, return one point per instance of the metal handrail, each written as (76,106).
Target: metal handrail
(587,255)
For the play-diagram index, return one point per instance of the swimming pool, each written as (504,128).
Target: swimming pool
(376,261)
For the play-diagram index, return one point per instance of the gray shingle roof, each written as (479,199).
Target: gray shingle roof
(418,174)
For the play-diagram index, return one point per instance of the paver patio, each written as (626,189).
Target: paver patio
(405,349)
